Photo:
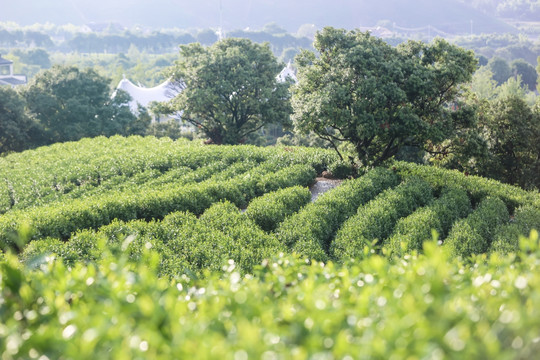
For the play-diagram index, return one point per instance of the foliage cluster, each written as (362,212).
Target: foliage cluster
(381,98)
(150,201)
(477,187)
(473,235)
(506,239)
(64,103)
(410,232)
(272,208)
(428,305)
(373,222)
(229,90)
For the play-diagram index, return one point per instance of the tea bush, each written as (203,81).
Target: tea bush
(411,231)
(422,306)
(61,220)
(526,218)
(310,231)
(473,235)
(374,222)
(477,187)
(272,208)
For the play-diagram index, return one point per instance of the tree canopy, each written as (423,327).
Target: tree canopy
(229,89)
(71,103)
(381,98)
(511,129)
(17,129)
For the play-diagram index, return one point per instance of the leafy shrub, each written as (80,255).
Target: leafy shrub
(477,187)
(473,235)
(310,231)
(94,166)
(223,233)
(341,169)
(425,306)
(272,208)
(374,221)
(411,231)
(506,239)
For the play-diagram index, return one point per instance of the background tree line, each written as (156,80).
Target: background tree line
(368,100)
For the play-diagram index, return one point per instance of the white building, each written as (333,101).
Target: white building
(287,72)
(145,96)
(167,90)
(6,74)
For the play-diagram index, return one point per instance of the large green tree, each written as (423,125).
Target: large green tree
(527,72)
(512,130)
(17,130)
(72,103)
(500,69)
(229,89)
(381,98)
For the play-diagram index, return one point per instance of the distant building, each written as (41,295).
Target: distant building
(6,74)
(288,72)
(166,91)
(144,96)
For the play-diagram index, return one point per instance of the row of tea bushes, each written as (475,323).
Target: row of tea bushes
(310,231)
(477,187)
(47,173)
(269,210)
(373,222)
(182,242)
(73,169)
(423,306)
(526,218)
(62,219)
(411,231)
(473,235)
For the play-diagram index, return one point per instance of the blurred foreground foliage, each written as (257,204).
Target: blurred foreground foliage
(420,306)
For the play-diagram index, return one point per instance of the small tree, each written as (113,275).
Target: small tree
(500,69)
(229,89)
(527,72)
(512,130)
(71,103)
(17,130)
(380,98)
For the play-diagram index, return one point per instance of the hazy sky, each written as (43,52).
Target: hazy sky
(237,14)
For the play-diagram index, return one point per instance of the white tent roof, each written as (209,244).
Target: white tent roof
(144,96)
(287,72)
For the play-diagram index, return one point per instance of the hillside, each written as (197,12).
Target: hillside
(449,16)
(63,189)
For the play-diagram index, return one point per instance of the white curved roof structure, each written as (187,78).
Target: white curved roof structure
(287,72)
(144,96)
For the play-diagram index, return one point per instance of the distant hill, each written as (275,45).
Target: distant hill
(449,16)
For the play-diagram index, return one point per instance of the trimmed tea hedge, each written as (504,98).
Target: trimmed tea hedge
(310,231)
(423,307)
(374,221)
(411,231)
(92,166)
(60,220)
(506,238)
(183,242)
(477,187)
(473,235)
(272,208)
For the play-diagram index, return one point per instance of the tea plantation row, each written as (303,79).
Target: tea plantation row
(376,213)
(95,166)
